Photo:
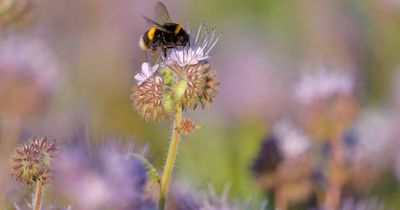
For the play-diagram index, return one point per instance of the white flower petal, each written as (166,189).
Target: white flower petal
(146,72)
(199,49)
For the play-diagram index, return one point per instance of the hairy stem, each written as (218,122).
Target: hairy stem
(38,196)
(170,162)
(333,193)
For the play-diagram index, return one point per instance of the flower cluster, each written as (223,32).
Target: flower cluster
(182,77)
(32,160)
(328,100)
(283,165)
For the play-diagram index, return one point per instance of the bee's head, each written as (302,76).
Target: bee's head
(182,36)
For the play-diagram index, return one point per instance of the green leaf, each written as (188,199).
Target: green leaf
(152,172)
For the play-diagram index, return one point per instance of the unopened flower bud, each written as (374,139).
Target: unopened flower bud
(186,126)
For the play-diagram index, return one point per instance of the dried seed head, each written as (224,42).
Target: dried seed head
(32,160)
(150,99)
(202,86)
(186,126)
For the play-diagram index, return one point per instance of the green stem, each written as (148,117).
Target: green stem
(170,162)
(38,195)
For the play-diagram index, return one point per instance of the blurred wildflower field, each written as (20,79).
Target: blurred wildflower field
(269,105)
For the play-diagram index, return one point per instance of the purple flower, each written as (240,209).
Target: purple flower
(199,50)
(147,71)
(103,178)
(323,84)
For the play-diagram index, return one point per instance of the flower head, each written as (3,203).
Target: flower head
(30,59)
(102,176)
(202,87)
(28,74)
(184,78)
(292,141)
(32,160)
(186,126)
(150,99)
(200,48)
(323,84)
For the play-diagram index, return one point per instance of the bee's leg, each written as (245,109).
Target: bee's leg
(164,50)
(152,52)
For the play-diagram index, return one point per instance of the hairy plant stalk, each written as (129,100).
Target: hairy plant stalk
(332,199)
(38,196)
(170,162)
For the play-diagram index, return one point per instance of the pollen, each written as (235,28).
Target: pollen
(151,32)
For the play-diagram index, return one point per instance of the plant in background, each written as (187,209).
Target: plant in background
(283,167)
(103,175)
(28,73)
(31,164)
(328,98)
(181,81)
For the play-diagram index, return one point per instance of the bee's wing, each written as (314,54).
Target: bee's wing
(161,12)
(152,22)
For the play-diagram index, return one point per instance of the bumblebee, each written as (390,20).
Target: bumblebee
(164,33)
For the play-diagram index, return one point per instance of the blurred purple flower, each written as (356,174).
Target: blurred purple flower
(292,142)
(147,71)
(363,204)
(103,178)
(323,84)
(185,198)
(30,59)
(374,133)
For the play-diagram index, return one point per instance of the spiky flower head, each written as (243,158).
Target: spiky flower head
(32,160)
(182,77)
(15,12)
(149,97)
(190,64)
